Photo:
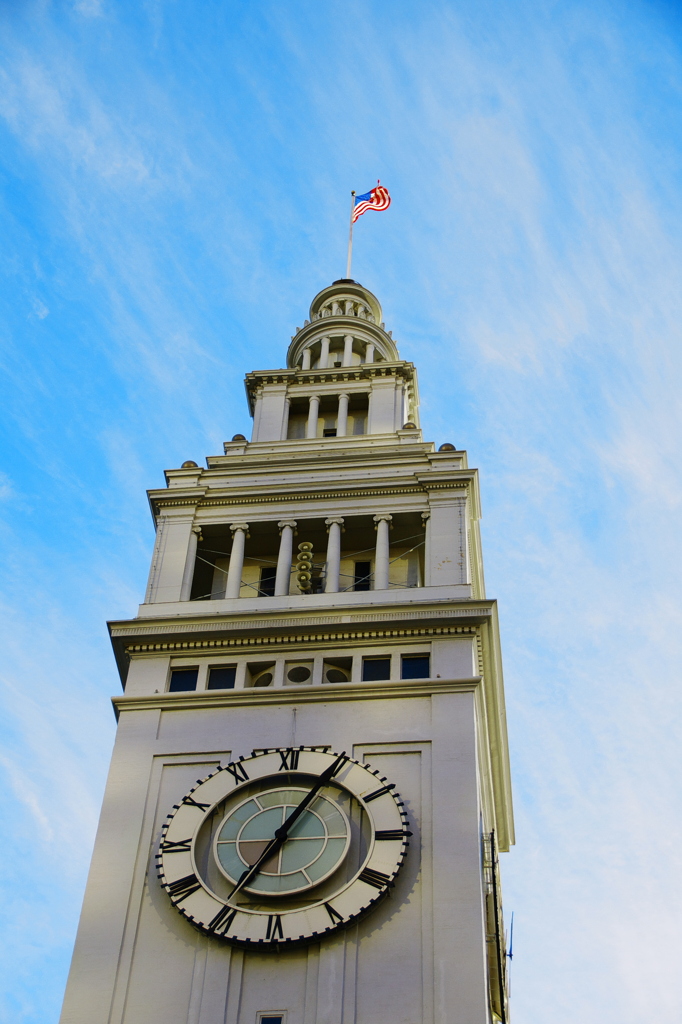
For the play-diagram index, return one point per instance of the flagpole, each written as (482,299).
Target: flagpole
(350,235)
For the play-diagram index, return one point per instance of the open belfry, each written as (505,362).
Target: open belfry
(310,782)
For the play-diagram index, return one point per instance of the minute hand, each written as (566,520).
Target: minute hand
(281,833)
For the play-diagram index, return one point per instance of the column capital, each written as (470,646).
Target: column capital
(286,522)
(333,519)
(425,516)
(239,526)
(383,517)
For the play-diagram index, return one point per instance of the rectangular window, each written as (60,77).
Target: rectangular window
(270,1018)
(330,432)
(183,679)
(222,678)
(266,587)
(416,666)
(375,669)
(363,575)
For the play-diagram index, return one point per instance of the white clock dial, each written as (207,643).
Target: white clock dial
(283,847)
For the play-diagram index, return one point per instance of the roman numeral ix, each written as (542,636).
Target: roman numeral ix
(289,759)
(184,887)
(181,846)
(274,928)
(376,878)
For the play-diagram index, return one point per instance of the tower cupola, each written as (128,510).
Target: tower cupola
(345,329)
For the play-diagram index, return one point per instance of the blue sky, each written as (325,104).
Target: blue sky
(174,188)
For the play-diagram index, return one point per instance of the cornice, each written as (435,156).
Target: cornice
(169,499)
(329,375)
(327,693)
(368,636)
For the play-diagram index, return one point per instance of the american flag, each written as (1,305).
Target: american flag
(377,199)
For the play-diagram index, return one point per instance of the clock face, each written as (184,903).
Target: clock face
(283,847)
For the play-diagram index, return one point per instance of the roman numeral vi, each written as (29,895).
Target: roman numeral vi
(274,927)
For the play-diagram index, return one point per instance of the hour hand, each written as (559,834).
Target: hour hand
(282,832)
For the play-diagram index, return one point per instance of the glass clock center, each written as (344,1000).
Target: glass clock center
(316,844)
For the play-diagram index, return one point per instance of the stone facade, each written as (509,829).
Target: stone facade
(386,649)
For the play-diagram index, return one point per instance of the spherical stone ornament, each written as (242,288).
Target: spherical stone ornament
(283,847)
(189,465)
(447,447)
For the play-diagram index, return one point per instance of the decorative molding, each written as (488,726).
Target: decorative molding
(300,638)
(326,693)
(290,622)
(244,500)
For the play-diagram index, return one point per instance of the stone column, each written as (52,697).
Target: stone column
(306,359)
(286,545)
(188,575)
(369,352)
(324,354)
(333,525)
(257,414)
(426,520)
(313,414)
(234,573)
(381,557)
(285,419)
(348,350)
(342,417)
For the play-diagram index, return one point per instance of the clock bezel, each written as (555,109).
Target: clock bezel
(273,928)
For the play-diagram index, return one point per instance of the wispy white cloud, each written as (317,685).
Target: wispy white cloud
(188,206)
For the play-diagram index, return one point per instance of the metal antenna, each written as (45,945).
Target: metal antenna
(510,952)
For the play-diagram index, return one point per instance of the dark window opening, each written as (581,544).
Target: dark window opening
(271,1020)
(330,432)
(363,574)
(376,669)
(222,678)
(266,587)
(183,679)
(416,666)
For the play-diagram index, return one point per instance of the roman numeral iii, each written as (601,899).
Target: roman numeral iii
(391,833)
(376,878)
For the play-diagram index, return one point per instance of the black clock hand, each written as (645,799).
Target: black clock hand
(282,832)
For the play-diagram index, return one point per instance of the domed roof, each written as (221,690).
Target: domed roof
(344,307)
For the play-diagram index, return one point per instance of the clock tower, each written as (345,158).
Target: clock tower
(310,782)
